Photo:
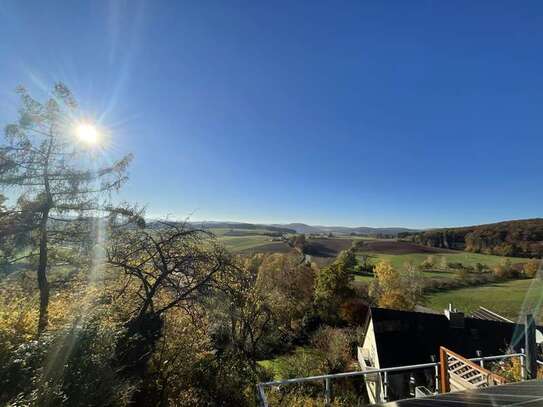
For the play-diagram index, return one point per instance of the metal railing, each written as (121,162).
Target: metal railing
(327,378)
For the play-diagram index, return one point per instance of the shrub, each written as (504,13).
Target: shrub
(302,362)
(455,265)
(72,365)
(463,274)
(510,369)
(354,311)
(443,263)
(429,263)
(531,268)
(18,321)
(335,345)
(481,268)
(503,270)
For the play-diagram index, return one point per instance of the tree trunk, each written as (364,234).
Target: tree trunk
(43,284)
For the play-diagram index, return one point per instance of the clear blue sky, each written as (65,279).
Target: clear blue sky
(378,113)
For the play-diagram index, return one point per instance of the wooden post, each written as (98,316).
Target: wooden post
(444,371)
(531,350)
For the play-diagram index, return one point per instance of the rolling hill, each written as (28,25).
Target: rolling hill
(523,238)
(344,230)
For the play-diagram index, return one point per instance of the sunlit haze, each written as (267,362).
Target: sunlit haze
(414,114)
(87,133)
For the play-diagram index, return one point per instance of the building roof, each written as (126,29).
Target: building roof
(406,338)
(485,313)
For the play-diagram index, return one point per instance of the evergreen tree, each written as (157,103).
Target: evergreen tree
(54,175)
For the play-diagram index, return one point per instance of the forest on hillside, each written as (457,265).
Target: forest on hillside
(521,238)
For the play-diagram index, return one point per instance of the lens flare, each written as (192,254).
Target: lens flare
(87,133)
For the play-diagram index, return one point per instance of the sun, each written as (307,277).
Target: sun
(87,133)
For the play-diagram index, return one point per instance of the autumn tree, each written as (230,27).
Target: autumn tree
(531,268)
(241,311)
(429,262)
(165,266)
(392,289)
(503,270)
(58,184)
(333,284)
(288,285)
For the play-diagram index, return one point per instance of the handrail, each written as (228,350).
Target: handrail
(497,357)
(348,374)
(385,371)
(381,370)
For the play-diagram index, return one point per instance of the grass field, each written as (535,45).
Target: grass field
(248,232)
(247,241)
(401,253)
(324,250)
(507,298)
(467,259)
(239,243)
(440,274)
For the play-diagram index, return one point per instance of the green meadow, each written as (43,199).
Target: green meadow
(466,258)
(239,243)
(507,298)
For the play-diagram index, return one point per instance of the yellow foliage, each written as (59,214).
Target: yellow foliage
(391,289)
(531,268)
(297,399)
(510,369)
(18,321)
(384,271)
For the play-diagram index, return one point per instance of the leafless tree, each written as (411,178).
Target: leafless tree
(172,263)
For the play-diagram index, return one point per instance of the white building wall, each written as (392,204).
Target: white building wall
(368,358)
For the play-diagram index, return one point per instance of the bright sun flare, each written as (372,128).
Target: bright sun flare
(87,133)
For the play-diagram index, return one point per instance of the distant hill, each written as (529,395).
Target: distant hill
(304,228)
(241,226)
(523,238)
(343,230)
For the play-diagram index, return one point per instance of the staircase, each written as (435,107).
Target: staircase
(459,373)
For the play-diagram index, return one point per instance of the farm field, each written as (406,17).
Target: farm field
(249,241)
(506,298)
(324,250)
(242,243)
(239,232)
(399,253)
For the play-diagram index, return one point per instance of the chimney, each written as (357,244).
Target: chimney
(456,318)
